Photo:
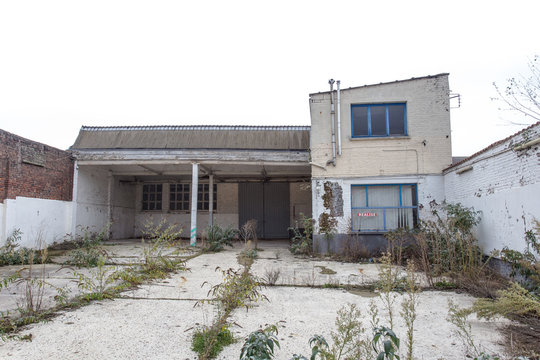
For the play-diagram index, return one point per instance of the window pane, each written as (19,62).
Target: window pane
(378,120)
(396,118)
(360,121)
(359,196)
(383,196)
(408,195)
(370,220)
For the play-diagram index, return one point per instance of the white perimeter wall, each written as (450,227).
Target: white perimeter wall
(430,191)
(41,221)
(504,184)
(91,198)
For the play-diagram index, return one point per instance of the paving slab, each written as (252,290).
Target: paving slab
(158,320)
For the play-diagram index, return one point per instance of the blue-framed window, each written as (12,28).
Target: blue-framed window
(377,120)
(384,207)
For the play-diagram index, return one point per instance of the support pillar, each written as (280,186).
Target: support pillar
(194,192)
(110,184)
(211,200)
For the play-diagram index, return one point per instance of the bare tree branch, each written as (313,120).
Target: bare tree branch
(522,95)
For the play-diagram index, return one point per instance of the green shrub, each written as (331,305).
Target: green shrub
(217,237)
(512,301)
(89,250)
(208,342)
(446,245)
(525,263)
(260,344)
(154,262)
(98,284)
(390,343)
(302,240)
(13,254)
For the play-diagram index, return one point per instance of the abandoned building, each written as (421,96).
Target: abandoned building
(375,158)
(192,176)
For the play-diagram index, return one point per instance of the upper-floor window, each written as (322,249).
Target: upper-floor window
(378,120)
(179,197)
(151,197)
(203,197)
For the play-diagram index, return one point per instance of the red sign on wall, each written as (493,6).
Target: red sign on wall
(367,214)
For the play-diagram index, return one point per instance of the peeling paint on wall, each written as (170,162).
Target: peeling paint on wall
(333,198)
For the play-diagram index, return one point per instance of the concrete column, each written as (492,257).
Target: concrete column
(110,184)
(194,191)
(211,200)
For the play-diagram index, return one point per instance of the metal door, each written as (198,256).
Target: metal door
(250,205)
(268,203)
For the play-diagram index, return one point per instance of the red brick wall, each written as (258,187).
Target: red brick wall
(32,169)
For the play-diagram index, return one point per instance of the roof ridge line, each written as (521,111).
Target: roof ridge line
(196,127)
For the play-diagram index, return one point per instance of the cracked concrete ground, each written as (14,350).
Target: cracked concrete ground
(157,320)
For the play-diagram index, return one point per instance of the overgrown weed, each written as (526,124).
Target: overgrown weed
(12,254)
(88,247)
(217,238)
(302,236)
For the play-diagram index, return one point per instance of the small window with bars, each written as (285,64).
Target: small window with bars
(203,197)
(179,197)
(152,194)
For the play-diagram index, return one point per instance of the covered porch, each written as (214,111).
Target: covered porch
(193,187)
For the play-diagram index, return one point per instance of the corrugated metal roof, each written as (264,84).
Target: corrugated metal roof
(193,137)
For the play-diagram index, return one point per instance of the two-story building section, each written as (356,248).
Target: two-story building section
(377,155)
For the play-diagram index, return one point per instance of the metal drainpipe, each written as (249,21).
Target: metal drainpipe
(338,118)
(332,112)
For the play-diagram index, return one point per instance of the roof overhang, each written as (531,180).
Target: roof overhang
(224,164)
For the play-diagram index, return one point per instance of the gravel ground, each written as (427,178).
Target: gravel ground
(157,320)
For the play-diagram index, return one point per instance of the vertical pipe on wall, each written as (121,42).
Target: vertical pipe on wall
(338,117)
(211,200)
(332,113)
(194,192)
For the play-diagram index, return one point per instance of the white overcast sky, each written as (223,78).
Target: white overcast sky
(64,64)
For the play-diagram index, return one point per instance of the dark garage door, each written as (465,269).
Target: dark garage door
(268,203)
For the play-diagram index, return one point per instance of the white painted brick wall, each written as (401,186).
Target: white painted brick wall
(504,185)
(430,190)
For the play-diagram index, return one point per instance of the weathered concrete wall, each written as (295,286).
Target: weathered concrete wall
(425,150)
(124,209)
(430,191)
(91,199)
(226,214)
(41,221)
(300,202)
(504,184)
